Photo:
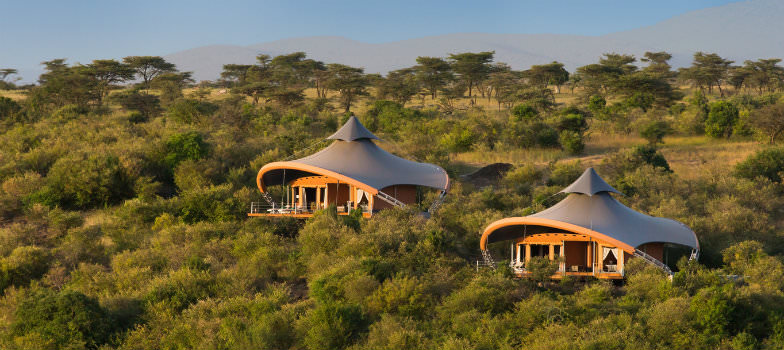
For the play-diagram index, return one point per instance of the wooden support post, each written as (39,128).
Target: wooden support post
(519,248)
(562,265)
(301,196)
(552,252)
(589,255)
(527,252)
(318,197)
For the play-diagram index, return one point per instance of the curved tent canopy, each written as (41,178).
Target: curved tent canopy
(351,131)
(597,215)
(354,159)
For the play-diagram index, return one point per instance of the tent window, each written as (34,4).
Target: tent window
(609,259)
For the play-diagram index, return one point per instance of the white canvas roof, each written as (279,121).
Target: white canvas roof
(353,156)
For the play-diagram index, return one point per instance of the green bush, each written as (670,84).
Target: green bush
(85,182)
(9,109)
(188,145)
(655,131)
(721,119)
(190,111)
(767,163)
(23,265)
(333,326)
(523,112)
(67,319)
(571,141)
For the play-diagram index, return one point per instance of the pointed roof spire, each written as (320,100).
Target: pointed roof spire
(589,183)
(352,130)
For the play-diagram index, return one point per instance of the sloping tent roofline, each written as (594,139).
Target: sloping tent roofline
(589,209)
(353,158)
(310,169)
(531,221)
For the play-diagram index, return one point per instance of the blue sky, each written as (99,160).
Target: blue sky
(32,31)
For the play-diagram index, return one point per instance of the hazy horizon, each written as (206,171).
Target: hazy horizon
(95,29)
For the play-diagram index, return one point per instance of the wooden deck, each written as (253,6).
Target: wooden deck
(297,215)
(599,275)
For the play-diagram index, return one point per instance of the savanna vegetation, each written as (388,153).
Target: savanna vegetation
(124,187)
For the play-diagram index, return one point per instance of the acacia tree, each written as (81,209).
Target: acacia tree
(472,68)
(401,85)
(600,78)
(770,120)
(5,73)
(349,82)
(763,74)
(502,83)
(108,73)
(433,73)
(235,74)
(548,74)
(148,67)
(658,64)
(707,70)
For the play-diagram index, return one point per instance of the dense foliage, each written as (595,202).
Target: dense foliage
(123,226)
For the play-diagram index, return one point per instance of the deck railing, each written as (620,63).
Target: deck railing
(286,208)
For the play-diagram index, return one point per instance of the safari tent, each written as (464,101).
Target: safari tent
(589,232)
(351,173)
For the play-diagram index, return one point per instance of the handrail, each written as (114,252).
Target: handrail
(437,203)
(389,199)
(653,261)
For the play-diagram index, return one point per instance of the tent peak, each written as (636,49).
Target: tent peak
(351,131)
(589,183)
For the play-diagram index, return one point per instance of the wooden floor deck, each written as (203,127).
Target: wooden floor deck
(297,215)
(599,275)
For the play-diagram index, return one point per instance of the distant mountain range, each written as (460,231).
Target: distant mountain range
(743,30)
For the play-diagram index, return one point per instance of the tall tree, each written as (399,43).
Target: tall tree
(109,73)
(6,72)
(770,120)
(148,67)
(502,83)
(434,73)
(472,67)
(171,85)
(624,63)
(235,74)
(400,85)
(349,82)
(764,74)
(658,64)
(707,70)
(548,74)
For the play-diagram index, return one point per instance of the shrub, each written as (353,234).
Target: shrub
(137,117)
(146,104)
(23,265)
(721,119)
(181,289)
(571,141)
(523,112)
(68,319)
(654,131)
(333,326)
(767,163)
(189,111)
(69,112)
(8,108)
(85,182)
(188,145)
(459,140)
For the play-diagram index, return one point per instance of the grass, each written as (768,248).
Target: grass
(16,95)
